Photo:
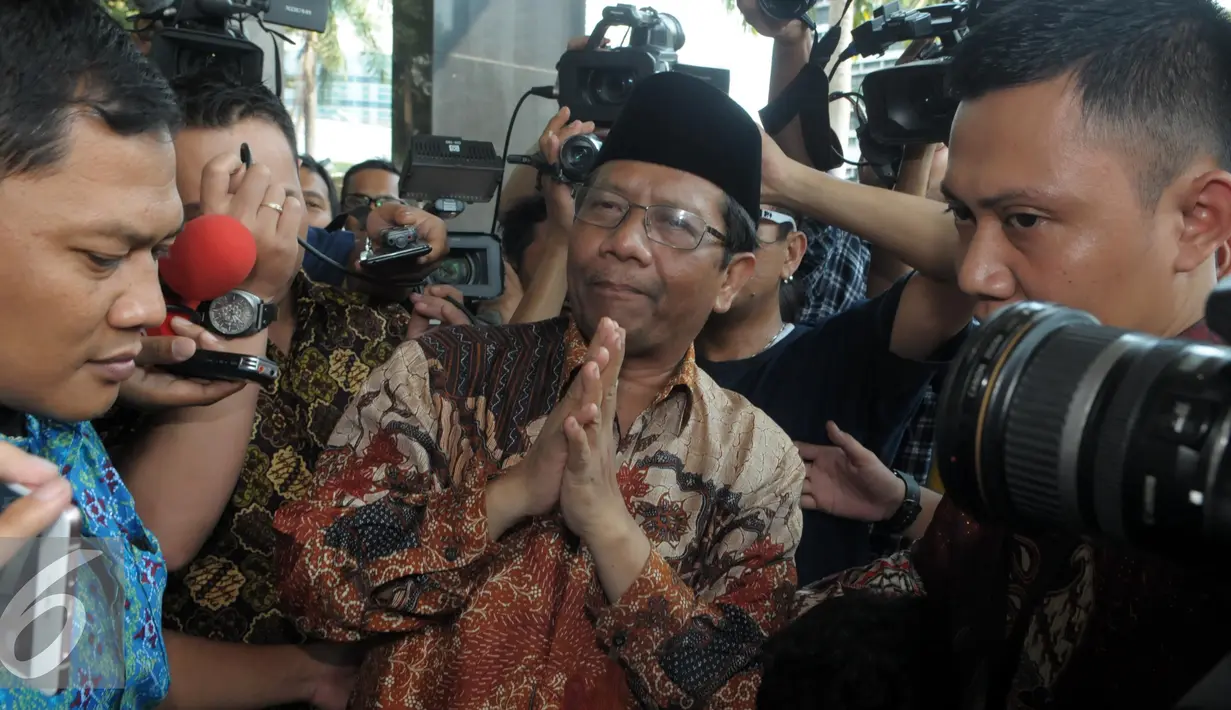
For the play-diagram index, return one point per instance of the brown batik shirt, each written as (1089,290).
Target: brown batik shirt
(229,592)
(396,542)
(1089,624)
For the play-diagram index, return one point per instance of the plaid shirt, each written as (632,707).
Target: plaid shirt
(834,272)
(835,277)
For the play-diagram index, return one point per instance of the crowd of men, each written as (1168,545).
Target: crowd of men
(690,466)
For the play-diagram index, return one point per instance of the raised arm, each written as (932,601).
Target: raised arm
(697,641)
(687,642)
(919,231)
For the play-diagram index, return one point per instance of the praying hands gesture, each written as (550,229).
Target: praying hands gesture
(532,486)
(589,492)
(590,496)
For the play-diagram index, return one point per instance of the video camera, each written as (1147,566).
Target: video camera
(595,83)
(908,104)
(449,173)
(192,35)
(898,106)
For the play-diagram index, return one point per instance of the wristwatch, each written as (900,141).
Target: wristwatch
(239,314)
(909,510)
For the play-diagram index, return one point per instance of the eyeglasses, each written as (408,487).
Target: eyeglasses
(667,225)
(355,200)
(780,219)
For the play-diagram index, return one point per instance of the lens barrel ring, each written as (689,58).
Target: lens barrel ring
(1043,426)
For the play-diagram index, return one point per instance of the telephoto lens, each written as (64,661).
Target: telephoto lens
(1049,421)
(786,9)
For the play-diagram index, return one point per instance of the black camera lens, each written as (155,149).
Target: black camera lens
(1048,421)
(578,157)
(611,87)
(785,9)
(454,271)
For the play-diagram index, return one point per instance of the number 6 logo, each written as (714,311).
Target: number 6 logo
(25,608)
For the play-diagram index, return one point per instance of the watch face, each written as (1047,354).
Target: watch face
(232,314)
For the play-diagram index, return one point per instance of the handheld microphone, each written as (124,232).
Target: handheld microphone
(212,255)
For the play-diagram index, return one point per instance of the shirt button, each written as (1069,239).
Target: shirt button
(619,639)
(451,554)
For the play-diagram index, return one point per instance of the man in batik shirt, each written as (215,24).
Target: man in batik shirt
(461,513)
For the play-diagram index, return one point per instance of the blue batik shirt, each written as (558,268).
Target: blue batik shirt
(111,667)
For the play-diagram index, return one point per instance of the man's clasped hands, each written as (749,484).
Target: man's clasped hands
(572,464)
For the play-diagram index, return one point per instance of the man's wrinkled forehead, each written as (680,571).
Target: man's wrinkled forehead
(657,184)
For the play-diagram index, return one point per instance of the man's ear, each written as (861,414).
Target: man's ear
(1222,261)
(1207,221)
(796,248)
(734,278)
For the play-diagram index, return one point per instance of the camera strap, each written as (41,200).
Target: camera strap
(807,97)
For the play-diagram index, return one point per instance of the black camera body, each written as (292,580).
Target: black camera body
(595,83)
(908,104)
(449,173)
(199,34)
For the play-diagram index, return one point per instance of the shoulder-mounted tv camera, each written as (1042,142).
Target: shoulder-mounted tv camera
(189,36)
(595,82)
(897,106)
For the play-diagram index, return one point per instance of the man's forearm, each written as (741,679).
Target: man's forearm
(544,296)
(183,470)
(620,554)
(211,675)
(916,229)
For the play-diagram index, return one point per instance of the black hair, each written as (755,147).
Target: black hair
(741,229)
(216,98)
(517,228)
(373,164)
(1154,75)
(859,651)
(331,190)
(63,58)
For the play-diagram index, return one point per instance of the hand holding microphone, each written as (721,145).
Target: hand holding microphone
(217,253)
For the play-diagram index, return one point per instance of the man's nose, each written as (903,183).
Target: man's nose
(141,305)
(983,271)
(630,240)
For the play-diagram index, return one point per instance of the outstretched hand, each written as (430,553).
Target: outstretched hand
(848,480)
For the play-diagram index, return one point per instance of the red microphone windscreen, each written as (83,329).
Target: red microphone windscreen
(211,256)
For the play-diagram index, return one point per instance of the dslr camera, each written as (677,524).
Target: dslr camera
(595,83)
(192,35)
(1050,421)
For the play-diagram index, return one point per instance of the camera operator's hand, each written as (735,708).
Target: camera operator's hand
(431,231)
(559,195)
(792,31)
(432,308)
(50,495)
(508,301)
(848,481)
(248,194)
(152,388)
